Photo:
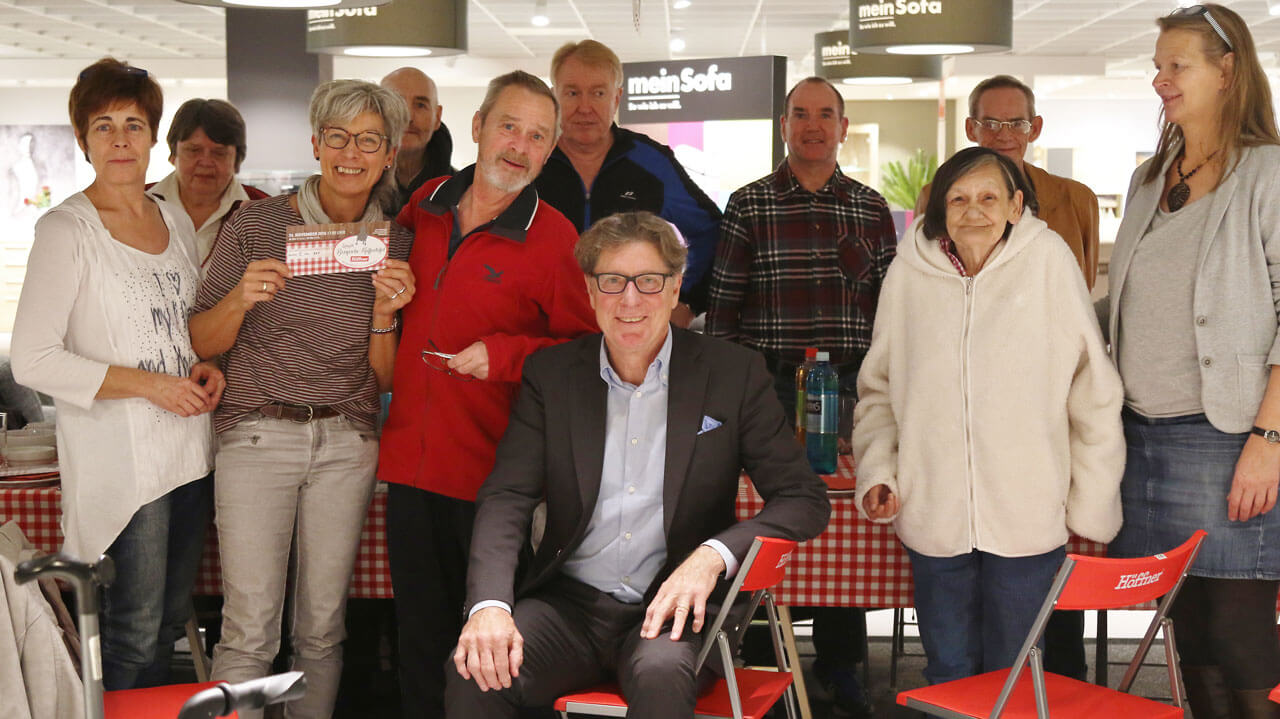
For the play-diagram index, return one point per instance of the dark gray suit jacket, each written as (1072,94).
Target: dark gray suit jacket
(554,448)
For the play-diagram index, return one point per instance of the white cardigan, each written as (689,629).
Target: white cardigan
(988,404)
(89,302)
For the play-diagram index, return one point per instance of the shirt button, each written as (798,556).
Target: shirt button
(631,489)
(627,536)
(627,578)
(634,441)
(639,393)
(1207,362)
(1202,320)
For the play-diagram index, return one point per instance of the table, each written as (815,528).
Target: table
(38,511)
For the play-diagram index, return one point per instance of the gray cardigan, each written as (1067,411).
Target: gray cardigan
(1237,288)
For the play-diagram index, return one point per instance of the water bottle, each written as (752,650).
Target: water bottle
(822,414)
(802,375)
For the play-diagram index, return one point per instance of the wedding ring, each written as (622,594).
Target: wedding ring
(401,292)
(264,286)
(682,608)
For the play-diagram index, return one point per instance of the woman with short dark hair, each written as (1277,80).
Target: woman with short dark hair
(988,420)
(206,146)
(102,328)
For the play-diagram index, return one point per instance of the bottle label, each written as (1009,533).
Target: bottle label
(822,413)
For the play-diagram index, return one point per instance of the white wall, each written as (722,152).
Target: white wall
(1106,135)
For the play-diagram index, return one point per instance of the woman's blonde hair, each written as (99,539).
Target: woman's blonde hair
(1246,118)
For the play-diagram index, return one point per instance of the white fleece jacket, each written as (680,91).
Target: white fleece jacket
(988,404)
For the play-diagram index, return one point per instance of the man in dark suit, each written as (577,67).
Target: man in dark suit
(636,441)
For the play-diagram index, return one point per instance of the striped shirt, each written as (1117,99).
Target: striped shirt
(798,269)
(310,343)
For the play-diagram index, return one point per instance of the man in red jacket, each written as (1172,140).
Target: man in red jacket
(496,281)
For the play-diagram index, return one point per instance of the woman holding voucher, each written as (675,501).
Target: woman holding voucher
(102,328)
(1195,287)
(988,420)
(306,350)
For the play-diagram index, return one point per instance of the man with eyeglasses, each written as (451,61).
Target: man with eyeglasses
(496,280)
(426,147)
(801,257)
(636,438)
(1002,117)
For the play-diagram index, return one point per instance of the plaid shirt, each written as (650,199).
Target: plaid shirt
(798,269)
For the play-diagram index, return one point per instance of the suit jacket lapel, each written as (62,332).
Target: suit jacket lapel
(687,387)
(590,402)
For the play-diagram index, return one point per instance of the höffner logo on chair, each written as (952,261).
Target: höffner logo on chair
(1141,579)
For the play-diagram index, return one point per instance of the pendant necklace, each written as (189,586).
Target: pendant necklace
(1180,193)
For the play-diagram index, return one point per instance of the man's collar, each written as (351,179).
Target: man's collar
(662,363)
(513,223)
(785,183)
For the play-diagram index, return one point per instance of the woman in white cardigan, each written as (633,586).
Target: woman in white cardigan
(988,421)
(102,328)
(1193,318)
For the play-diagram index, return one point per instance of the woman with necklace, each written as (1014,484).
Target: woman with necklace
(1192,315)
(988,421)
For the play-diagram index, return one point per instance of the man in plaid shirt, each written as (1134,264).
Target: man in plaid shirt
(801,257)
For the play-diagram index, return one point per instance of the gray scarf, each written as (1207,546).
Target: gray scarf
(313,214)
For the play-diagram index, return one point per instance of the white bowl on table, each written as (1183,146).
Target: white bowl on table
(37,437)
(34,454)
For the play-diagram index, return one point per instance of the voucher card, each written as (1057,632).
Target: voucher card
(341,247)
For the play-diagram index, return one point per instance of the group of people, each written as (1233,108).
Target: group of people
(563,455)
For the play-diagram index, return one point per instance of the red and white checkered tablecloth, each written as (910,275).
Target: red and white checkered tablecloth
(38,511)
(855,563)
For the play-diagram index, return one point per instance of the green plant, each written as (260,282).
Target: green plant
(901,186)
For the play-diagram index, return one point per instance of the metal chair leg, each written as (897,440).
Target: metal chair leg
(793,656)
(199,659)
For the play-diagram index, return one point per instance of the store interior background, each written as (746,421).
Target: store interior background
(1089,62)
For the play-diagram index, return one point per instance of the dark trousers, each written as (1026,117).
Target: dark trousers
(428,543)
(1064,645)
(575,637)
(1231,624)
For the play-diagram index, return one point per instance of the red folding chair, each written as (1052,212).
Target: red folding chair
(741,693)
(1081,583)
(1275,694)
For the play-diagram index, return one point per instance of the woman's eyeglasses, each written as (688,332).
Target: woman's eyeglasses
(338,138)
(1202,10)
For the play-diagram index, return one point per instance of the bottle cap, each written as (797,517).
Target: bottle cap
(824,357)
(810,353)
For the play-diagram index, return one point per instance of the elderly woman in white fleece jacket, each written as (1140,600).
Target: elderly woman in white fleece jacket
(988,422)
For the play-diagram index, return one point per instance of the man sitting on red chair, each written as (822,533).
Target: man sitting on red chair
(636,441)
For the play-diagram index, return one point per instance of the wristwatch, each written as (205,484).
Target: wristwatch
(1272,436)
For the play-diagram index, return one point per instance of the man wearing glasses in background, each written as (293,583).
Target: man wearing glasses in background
(1002,117)
(496,280)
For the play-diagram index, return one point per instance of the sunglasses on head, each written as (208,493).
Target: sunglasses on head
(1208,16)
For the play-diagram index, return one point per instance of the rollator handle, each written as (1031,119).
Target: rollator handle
(225,699)
(85,577)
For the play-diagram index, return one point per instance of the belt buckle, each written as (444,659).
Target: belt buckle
(311,414)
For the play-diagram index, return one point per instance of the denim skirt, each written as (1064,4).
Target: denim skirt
(1177,475)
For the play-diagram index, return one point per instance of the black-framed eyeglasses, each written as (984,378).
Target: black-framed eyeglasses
(439,361)
(338,138)
(649,283)
(1208,16)
(1021,127)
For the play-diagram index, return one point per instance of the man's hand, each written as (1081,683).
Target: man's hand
(685,590)
(473,360)
(880,502)
(490,649)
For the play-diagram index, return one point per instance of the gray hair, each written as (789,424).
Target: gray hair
(522,79)
(627,227)
(341,101)
(997,82)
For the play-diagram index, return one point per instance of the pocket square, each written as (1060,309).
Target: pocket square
(709,424)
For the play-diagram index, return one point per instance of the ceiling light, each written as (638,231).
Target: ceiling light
(680,4)
(1273,7)
(883,80)
(288,4)
(386,51)
(677,44)
(939,49)
(540,18)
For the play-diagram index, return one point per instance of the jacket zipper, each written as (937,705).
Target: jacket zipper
(964,395)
